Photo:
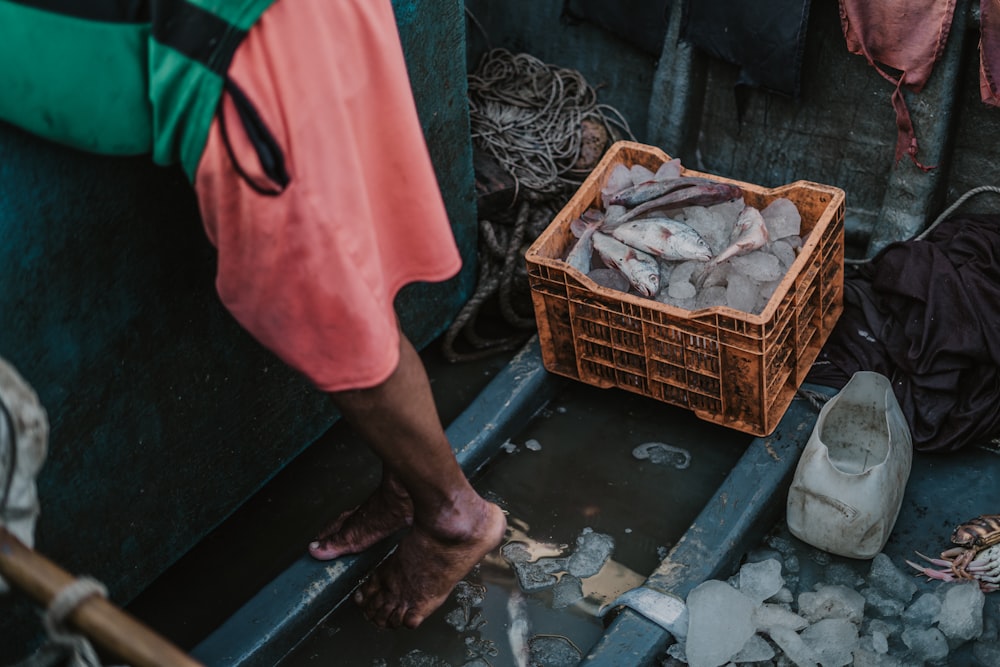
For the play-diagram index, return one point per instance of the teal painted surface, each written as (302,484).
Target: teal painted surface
(165,414)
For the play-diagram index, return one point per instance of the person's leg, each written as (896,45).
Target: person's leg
(453,527)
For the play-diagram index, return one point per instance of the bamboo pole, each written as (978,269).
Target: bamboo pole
(104,623)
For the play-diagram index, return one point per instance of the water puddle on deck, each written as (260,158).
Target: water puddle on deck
(572,487)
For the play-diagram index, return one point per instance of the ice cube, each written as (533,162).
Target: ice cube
(720,623)
(592,551)
(669,169)
(784,252)
(961,615)
(832,602)
(610,278)
(710,297)
(986,652)
(681,290)
(758,265)
(533,576)
(640,174)
(755,650)
(794,648)
(619,179)
(741,292)
(568,591)
(418,658)
(927,644)
(923,613)
(759,581)
(770,616)
(515,552)
(886,577)
(553,651)
(782,218)
(881,603)
(712,225)
(833,640)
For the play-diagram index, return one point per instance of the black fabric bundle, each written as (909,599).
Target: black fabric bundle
(766,39)
(926,314)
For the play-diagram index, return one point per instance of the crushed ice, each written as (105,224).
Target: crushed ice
(772,613)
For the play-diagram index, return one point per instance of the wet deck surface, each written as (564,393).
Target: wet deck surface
(584,476)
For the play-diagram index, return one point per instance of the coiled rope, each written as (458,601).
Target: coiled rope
(937,221)
(529,117)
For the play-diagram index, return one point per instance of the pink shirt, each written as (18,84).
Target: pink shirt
(312,273)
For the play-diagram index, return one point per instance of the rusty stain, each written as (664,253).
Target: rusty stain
(770,450)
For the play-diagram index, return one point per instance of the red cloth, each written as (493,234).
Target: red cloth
(312,273)
(989,52)
(908,36)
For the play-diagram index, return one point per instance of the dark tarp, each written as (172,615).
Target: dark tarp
(926,314)
(639,22)
(765,39)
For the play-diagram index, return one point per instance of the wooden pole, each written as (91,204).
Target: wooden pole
(97,618)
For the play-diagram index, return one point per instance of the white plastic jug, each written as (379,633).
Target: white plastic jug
(848,487)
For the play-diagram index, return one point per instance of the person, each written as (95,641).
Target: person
(296,124)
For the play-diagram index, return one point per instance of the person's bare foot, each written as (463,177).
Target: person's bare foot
(387,510)
(418,577)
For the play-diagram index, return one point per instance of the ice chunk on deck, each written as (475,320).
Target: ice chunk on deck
(961,615)
(782,219)
(661,453)
(720,623)
(886,577)
(551,651)
(515,552)
(927,644)
(417,658)
(924,611)
(794,647)
(759,581)
(770,616)
(833,640)
(755,650)
(568,591)
(592,551)
(539,575)
(832,602)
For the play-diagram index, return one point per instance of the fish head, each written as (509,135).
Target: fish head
(648,284)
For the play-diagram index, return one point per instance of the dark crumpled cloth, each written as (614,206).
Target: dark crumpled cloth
(926,314)
(766,39)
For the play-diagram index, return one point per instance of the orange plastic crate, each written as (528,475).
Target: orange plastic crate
(729,367)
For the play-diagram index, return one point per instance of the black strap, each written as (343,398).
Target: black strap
(197,33)
(272,159)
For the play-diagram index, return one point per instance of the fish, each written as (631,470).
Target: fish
(664,237)
(639,267)
(706,193)
(749,234)
(580,254)
(653,188)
